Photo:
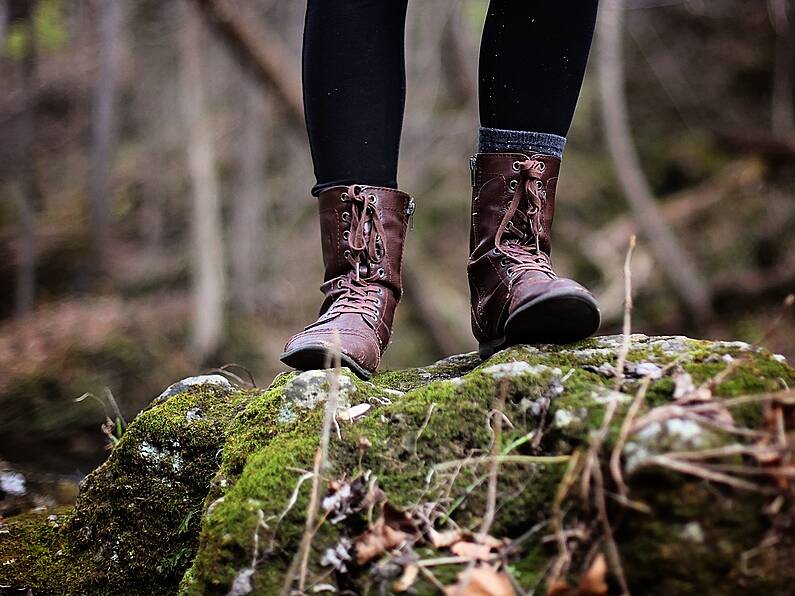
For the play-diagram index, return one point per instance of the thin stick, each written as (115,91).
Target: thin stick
(592,458)
(610,543)
(449,561)
(725,451)
(625,340)
(503,459)
(301,560)
(306,539)
(626,425)
(705,473)
(491,494)
(561,563)
(424,426)
(786,397)
(432,578)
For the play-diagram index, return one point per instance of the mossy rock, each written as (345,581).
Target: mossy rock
(204,493)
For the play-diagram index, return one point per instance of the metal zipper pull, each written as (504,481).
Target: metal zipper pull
(410,208)
(472,162)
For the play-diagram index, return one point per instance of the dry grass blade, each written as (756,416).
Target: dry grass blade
(502,459)
(626,425)
(425,422)
(301,560)
(704,472)
(610,543)
(491,494)
(562,561)
(625,340)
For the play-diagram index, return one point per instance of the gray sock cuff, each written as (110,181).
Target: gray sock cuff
(498,140)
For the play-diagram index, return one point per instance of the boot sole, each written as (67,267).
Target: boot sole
(556,318)
(316,357)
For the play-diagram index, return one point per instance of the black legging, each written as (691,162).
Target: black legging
(532,60)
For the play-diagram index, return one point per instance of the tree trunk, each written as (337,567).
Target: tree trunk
(258,48)
(672,258)
(30,199)
(103,131)
(207,249)
(783,104)
(3,26)
(248,207)
(26,257)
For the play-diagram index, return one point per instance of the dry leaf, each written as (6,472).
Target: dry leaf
(471,550)
(491,541)
(481,581)
(353,412)
(407,579)
(391,529)
(559,587)
(346,498)
(593,581)
(338,557)
(444,539)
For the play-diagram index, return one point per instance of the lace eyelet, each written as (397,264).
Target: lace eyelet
(516,165)
(344,197)
(504,262)
(381,273)
(346,234)
(541,166)
(513,184)
(380,291)
(373,199)
(495,252)
(346,217)
(339,284)
(347,254)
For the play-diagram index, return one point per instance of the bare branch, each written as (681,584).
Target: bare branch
(260,50)
(678,266)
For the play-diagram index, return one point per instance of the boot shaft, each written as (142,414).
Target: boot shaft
(495,177)
(349,231)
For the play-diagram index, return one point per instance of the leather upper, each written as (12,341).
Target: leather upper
(513,206)
(364,228)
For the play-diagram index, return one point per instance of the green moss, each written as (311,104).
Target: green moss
(202,478)
(131,525)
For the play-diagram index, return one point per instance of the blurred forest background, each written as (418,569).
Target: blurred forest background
(155,217)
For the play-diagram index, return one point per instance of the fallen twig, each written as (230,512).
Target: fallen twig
(626,425)
(503,459)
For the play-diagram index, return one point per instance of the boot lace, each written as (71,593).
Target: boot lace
(523,222)
(365,236)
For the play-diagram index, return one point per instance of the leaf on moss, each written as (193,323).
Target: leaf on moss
(444,539)
(354,412)
(393,528)
(592,583)
(405,581)
(471,550)
(481,581)
(339,556)
(346,498)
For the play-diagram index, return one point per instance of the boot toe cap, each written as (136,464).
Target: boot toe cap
(356,347)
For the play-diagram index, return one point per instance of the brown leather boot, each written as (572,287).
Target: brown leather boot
(516,295)
(362,230)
